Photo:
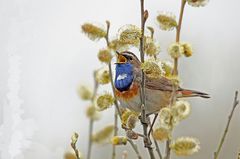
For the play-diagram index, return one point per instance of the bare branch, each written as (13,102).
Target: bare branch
(117,107)
(91,122)
(147,141)
(134,146)
(235,103)
(175,73)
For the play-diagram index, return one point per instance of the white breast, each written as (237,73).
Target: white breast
(155,100)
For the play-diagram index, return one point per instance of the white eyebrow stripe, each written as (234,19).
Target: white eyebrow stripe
(121,76)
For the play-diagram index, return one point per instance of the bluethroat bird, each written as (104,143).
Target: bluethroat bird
(158,91)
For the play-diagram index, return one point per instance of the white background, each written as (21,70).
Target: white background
(56,57)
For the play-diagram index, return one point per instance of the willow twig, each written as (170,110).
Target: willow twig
(168,150)
(175,72)
(90,139)
(157,149)
(147,141)
(178,32)
(235,103)
(134,146)
(110,72)
(115,132)
(117,107)
(91,121)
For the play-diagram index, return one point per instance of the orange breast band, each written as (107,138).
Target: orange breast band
(129,94)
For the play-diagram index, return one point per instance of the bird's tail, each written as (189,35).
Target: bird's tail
(191,93)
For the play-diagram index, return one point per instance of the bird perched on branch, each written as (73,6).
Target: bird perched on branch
(158,92)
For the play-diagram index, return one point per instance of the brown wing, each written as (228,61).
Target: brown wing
(162,84)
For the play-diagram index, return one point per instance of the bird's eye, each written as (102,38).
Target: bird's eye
(130,58)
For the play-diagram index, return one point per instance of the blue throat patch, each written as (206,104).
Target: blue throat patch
(124,76)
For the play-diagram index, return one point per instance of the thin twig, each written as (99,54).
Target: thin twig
(178,32)
(90,139)
(147,141)
(110,72)
(91,121)
(115,132)
(153,122)
(167,150)
(117,107)
(235,103)
(134,146)
(175,72)
(157,149)
(116,104)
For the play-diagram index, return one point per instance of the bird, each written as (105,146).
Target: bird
(158,92)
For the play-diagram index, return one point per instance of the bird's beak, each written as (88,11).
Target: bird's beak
(120,58)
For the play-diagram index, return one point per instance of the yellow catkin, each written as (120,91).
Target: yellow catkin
(84,92)
(70,155)
(181,110)
(150,47)
(167,67)
(187,49)
(126,114)
(92,113)
(161,134)
(119,140)
(104,101)
(103,134)
(132,134)
(151,69)
(131,121)
(94,32)
(117,45)
(74,138)
(103,76)
(175,50)
(130,34)
(165,117)
(185,146)
(197,3)
(104,55)
(167,21)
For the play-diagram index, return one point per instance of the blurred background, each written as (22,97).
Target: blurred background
(55,57)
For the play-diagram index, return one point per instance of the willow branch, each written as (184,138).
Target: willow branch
(110,72)
(235,103)
(90,138)
(91,121)
(178,32)
(117,107)
(175,71)
(115,132)
(157,149)
(134,146)
(147,141)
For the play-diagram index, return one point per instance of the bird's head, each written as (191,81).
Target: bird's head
(127,57)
